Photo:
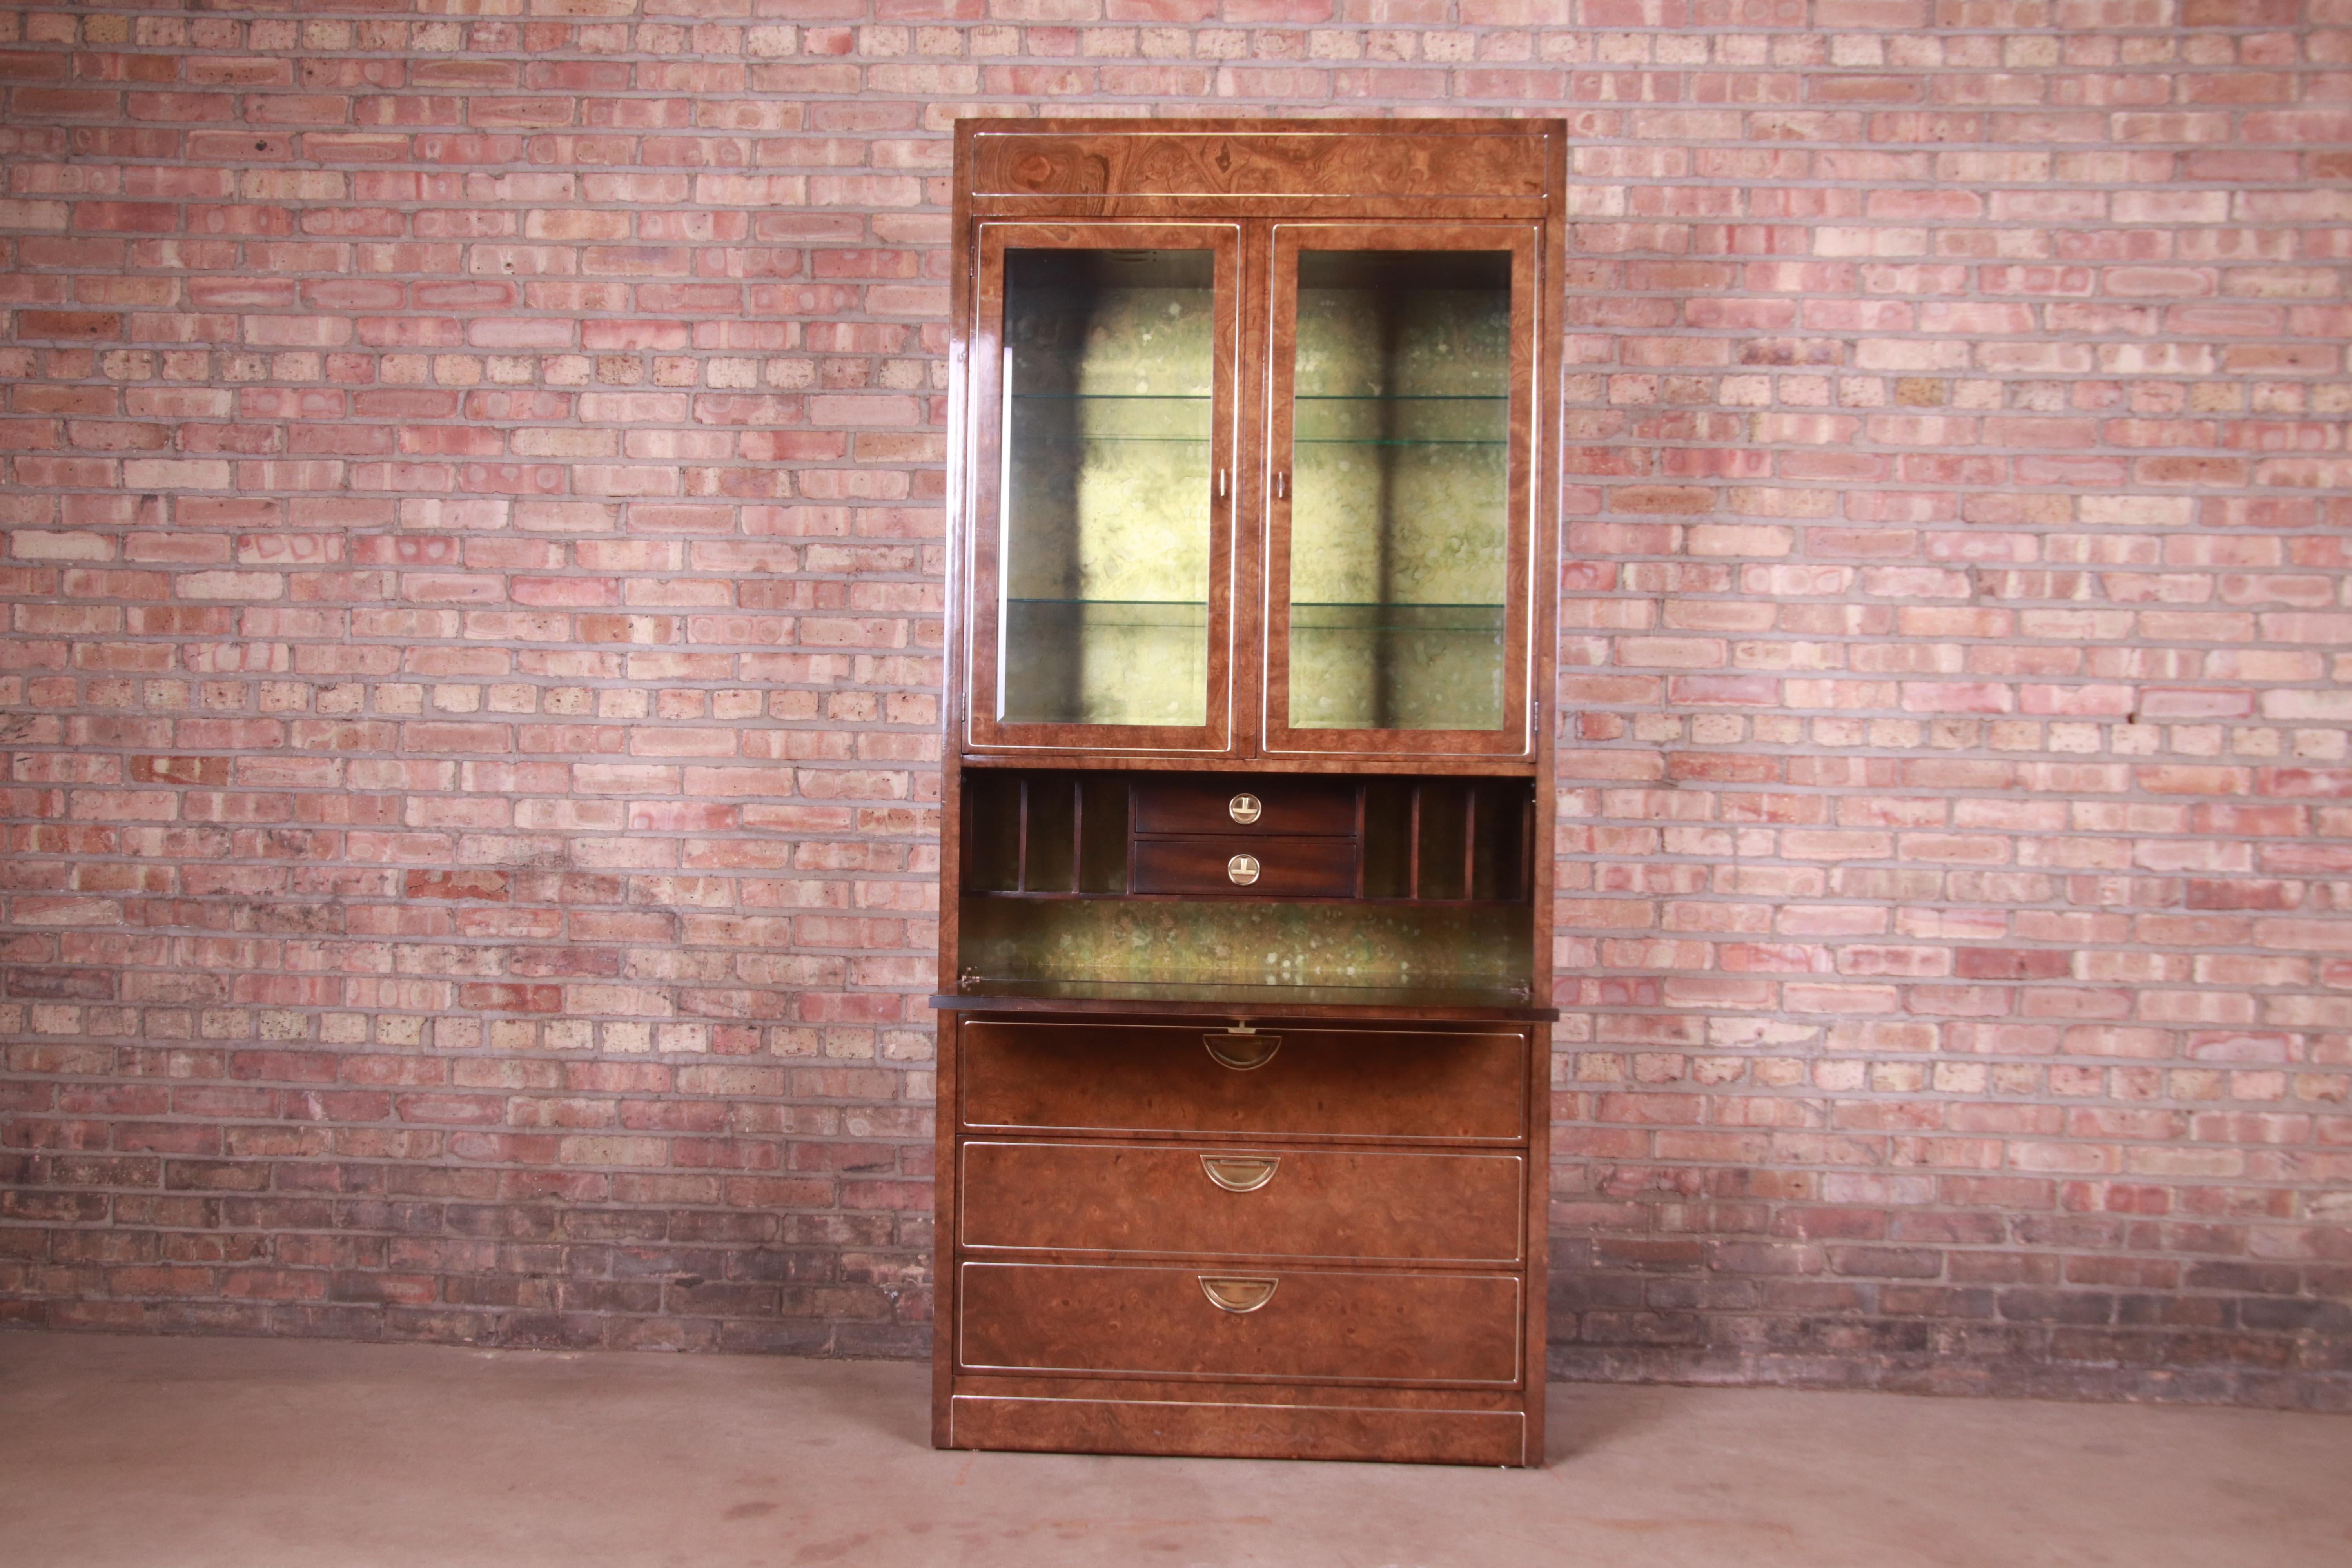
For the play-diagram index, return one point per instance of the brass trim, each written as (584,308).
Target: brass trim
(1237,1293)
(1241,1173)
(1241,1053)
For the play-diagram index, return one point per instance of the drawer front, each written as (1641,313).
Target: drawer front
(1294,1324)
(1209,806)
(1290,1202)
(1275,867)
(1357,1084)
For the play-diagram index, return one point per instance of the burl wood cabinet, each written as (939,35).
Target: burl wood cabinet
(1243,967)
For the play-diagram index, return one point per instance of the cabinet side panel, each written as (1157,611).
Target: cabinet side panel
(1551,305)
(945,1209)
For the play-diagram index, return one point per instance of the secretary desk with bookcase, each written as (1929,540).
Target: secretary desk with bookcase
(1245,939)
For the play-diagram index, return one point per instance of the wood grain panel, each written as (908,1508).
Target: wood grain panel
(1353,1084)
(1317,1203)
(1286,805)
(1238,1430)
(1361,1327)
(1165,162)
(1286,868)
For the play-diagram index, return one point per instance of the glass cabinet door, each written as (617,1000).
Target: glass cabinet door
(1398,499)
(1102,490)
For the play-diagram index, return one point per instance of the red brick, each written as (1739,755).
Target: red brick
(543,613)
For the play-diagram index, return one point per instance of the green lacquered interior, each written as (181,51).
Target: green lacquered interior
(1234,941)
(1110,363)
(1400,490)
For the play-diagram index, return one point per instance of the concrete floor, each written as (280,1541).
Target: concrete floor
(193,1453)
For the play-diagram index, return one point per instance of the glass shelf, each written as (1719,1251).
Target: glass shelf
(1119,612)
(1378,441)
(1485,620)
(1112,396)
(1402,397)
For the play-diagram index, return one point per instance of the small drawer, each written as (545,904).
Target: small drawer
(1362,1084)
(1337,1204)
(1234,867)
(1292,1325)
(1239,803)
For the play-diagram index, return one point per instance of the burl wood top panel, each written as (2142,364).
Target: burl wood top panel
(1458,168)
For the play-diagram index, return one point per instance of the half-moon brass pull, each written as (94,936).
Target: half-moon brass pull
(1242,1052)
(1241,1173)
(1233,1294)
(1241,869)
(1245,808)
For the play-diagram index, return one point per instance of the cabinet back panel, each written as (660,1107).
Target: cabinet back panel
(1247,941)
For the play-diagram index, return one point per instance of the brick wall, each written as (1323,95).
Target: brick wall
(473,567)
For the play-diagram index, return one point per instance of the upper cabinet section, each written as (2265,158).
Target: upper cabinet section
(1253,451)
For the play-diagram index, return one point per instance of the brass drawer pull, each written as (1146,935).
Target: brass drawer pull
(1242,1052)
(1235,1294)
(1245,808)
(1241,869)
(1241,1173)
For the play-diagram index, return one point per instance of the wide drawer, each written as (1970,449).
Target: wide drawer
(1357,1084)
(1330,1204)
(1294,1324)
(1244,806)
(1234,866)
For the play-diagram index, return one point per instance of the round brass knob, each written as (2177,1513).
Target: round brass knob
(1245,808)
(1243,868)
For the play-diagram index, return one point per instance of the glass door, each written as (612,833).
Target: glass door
(1398,499)
(1102,504)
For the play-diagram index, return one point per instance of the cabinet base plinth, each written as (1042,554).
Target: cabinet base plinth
(1235,1430)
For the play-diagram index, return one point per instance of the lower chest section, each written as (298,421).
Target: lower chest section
(1186,1229)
